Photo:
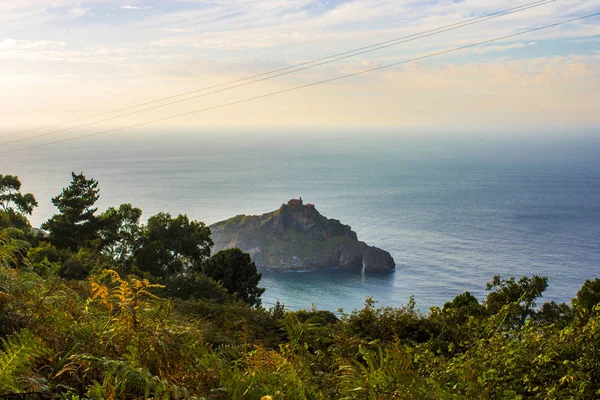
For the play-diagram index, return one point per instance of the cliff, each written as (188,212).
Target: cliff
(298,238)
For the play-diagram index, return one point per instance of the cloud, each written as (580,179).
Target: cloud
(182,40)
(498,48)
(136,8)
(217,43)
(77,12)
(278,27)
(176,30)
(14,44)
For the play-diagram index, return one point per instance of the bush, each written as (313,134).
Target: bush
(84,262)
(194,285)
(237,273)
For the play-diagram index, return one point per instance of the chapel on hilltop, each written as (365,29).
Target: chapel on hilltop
(298,203)
(295,202)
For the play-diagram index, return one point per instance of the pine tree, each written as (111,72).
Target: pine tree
(77,223)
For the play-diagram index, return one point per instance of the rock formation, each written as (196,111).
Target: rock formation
(298,237)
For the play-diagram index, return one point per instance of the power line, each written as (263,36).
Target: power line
(273,74)
(539,2)
(307,85)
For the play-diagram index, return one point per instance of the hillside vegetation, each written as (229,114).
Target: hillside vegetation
(104,307)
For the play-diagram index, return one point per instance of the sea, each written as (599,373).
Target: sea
(453,208)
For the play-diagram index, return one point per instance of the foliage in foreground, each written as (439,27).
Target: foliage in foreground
(113,337)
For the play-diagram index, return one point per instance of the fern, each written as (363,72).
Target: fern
(386,372)
(129,297)
(120,379)
(19,352)
(12,249)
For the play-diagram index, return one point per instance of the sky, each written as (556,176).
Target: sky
(62,60)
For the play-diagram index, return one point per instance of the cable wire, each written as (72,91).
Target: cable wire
(275,73)
(306,85)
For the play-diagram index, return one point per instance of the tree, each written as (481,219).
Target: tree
(553,313)
(235,270)
(521,295)
(588,296)
(463,306)
(121,233)
(14,204)
(83,263)
(194,285)
(11,199)
(172,245)
(76,224)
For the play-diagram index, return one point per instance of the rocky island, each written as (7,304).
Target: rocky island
(298,237)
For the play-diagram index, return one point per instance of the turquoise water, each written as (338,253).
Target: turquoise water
(453,212)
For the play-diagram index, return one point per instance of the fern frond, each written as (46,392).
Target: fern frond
(120,378)
(12,248)
(19,352)
(8,234)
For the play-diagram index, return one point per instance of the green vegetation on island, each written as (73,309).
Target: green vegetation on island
(297,237)
(105,307)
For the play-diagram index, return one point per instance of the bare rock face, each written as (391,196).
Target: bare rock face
(298,238)
(378,260)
